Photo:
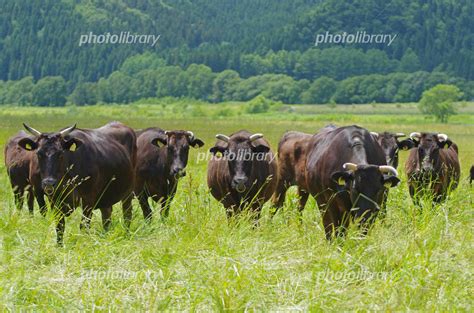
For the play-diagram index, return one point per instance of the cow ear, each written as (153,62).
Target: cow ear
(445,144)
(196,142)
(27,144)
(261,148)
(72,144)
(214,150)
(342,178)
(406,144)
(159,142)
(390,181)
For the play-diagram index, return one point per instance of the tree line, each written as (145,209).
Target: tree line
(140,78)
(40,38)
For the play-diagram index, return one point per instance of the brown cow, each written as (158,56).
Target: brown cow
(291,166)
(346,173)
(433,165)
(161,160)
(18,162)
(391,145)
(245,174)
(93,168)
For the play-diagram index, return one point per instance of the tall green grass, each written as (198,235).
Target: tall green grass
(415,259)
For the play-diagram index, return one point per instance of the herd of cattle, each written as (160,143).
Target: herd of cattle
(348,170)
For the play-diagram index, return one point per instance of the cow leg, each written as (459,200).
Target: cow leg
(303,198)
(31,200)
(18,193)
(127,211)
(106,217)
(39,195)
(143,200)
(60,226)
(280,194)
(165,203)
(86,217)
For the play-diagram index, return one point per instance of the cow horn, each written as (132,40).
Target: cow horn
(443,137)
(415,135)
(255,137)
(388,169)
(32,130)
(374,134)
(190,134)
(222,137)
(397,135)
(67,131)
(350,166)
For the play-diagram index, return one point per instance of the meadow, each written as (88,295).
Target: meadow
(196,260)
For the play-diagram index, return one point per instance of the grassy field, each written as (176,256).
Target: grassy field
(417,259)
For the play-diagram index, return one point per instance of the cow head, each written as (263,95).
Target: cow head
(391,145)
(366,185)
(429,145)
(52,150)
(177,143)
(241,152)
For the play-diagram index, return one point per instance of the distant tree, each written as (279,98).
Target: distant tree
(409,62)
(439,101)
(284,89)
(20,92)
(320,91)
(117,88)
(49,91)
(170,81)
(224,85)
(140,62)
(84,94)
(199,80)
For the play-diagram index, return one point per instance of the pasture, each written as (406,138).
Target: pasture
(417,258)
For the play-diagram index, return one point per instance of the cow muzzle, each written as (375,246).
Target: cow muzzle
(178,173)
(238,184)
(48,186)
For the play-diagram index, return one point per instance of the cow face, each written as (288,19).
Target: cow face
(391,146)
(366,185)
(241,153)
(177,144)
(429,145)
(51,150)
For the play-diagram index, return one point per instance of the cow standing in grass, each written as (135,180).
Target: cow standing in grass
(391,145)
(245,172)
(346,173)
(19,163)
(292,151)
(433,166)
(92,168)
(161,161)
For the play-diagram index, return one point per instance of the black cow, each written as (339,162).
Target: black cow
(391,145)
(246,173)
(346,173)
(161,160)
(93,168)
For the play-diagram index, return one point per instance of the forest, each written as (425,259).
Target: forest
(233,50)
